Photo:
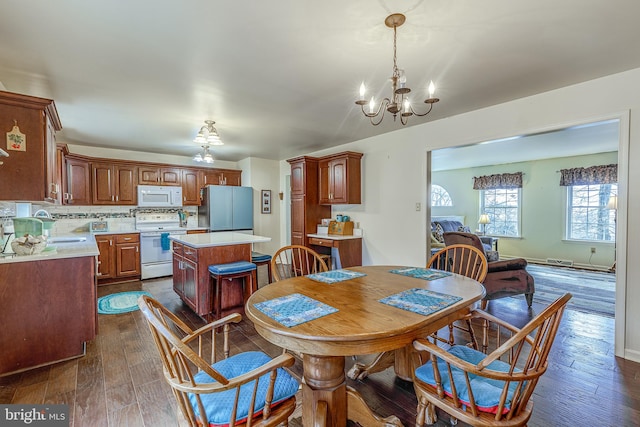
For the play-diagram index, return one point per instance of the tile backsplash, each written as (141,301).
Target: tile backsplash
(70,219)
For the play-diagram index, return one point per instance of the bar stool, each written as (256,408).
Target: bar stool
(229,271)
(262,259)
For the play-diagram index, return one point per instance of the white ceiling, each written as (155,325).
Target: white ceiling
(280,77)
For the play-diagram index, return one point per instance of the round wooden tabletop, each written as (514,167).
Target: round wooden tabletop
(362,324)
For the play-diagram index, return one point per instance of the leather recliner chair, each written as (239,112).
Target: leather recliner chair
(504,278)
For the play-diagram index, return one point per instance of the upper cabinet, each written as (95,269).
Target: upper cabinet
(150,175)
(222,177)
(114,184)
(339,179)
(191,187)
(31,168)
(76,181)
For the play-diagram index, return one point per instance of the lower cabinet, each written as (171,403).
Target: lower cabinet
(185,273)
(119,258)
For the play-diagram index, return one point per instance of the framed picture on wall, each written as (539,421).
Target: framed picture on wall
(266,201)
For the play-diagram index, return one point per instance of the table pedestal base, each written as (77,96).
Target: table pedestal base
(324,384)
(400,359)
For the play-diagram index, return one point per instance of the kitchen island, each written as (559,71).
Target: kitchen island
(192,256)
(48,308)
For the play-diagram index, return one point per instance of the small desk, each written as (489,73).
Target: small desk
(345,251)
(362,325)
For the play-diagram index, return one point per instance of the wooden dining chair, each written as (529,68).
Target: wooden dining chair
(489,390)
(467,261)
(247,389)
(296,260)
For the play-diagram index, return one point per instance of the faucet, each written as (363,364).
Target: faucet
(42,213)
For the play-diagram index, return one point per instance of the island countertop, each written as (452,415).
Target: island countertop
(221,238)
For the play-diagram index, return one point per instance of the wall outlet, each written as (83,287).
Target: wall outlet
(418,206)
(593,250)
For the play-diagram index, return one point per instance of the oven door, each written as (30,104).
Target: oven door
(151,250)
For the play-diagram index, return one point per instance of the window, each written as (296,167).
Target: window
(588,217)
(503,207)
(440,196)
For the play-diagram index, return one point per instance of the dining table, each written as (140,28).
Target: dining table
(356,311)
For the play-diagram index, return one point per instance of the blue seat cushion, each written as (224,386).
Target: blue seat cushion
(218,406)
(485,391)
(232,267)
(258,257)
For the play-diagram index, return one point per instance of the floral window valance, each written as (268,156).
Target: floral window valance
(492,182)
(604,174)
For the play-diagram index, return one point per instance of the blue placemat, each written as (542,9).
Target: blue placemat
(422,273)
(294,309)
(421,301)
(334,276)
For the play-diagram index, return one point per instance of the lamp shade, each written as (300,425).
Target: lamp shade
(484,219)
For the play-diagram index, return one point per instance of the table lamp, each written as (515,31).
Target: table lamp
(484,220)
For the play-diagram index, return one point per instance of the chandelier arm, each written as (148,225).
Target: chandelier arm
(383,103)
(423,114)
(379,121)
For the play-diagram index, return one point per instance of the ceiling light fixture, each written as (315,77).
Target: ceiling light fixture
(206,137)
(399,102)
(205,156)
(208,134)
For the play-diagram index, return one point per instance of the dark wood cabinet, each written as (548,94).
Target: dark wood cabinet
(222,177)
(127,255)
(340,179)
(33,172)
(106,259)
(114,184)
(119,258)
(191,179)
(50,316)
(76,185)
(150,175)
(306,211)
(185,273)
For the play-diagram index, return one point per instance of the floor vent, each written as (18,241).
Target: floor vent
(563,262)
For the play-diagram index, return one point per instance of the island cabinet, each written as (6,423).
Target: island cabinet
(340,179)
(31,167)
(114,184)
(192,282)
(76,181)
(48,311)
(119,258)
(158,175)
(306,211)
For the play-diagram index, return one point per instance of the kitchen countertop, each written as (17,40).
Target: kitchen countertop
(333,236)
(222,238)
(67,249)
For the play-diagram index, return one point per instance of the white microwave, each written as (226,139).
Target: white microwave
(159,196)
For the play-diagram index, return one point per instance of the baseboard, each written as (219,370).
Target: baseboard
(543,262)
(632,355)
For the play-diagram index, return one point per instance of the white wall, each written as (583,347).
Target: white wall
(394,176)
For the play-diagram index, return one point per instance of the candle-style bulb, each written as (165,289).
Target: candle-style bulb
(372,105)
(406,105)
(432,89)
(362,91)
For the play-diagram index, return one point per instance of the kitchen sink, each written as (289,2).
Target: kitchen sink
(66,239)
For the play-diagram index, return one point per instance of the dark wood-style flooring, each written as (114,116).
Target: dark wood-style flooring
(119,381)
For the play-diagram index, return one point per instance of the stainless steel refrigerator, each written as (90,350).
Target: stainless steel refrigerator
(226,208)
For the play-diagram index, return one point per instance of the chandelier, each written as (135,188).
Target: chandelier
(207,136)
(205,156)
(399,103)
